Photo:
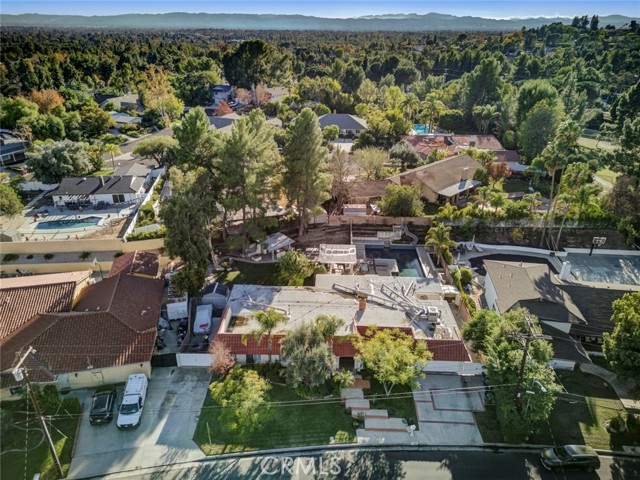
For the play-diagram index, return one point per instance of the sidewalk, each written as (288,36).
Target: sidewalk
(621,387)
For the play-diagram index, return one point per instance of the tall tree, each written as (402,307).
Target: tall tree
(10,203)
(94,121)
(254,62)
(268,321)
(531,92)
(307,181)
(622,346)
(485,116)
(341,169)
(197,144)
(157,94)
(250,172)
(294,267)
(393,357)
(402,201)
(112,149)
(157,148)
(432,108)
(47,100)
(539,127)
(51,162)
(309,358)
(371,160)
(438,238)
(481,86)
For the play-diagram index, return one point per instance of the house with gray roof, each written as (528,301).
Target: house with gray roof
(110,190)
(448,180)
(347,124)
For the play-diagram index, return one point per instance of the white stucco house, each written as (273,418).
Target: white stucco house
(91,190)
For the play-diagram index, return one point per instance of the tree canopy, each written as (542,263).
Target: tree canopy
(622,346)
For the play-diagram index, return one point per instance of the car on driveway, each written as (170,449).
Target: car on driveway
(570,457)
(102,404)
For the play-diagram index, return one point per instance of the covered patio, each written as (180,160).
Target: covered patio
(337,258)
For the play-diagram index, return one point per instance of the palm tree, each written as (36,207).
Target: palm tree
(551,161)
(431,109)
(484,116)
(438,237)
(267,323)
(410,105)
(586,197)
(328,326)
(564,202)
(482,196)
(497,199)
(112,149)
(533,200)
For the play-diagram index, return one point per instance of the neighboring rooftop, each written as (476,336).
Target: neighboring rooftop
(99,185)
(344,121)
(481,142)
(23,297)
(132,169)
(621,268)
(136,263)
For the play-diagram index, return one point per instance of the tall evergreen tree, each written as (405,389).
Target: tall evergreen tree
(307,182)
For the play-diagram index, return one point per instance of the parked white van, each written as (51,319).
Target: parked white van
(135,393)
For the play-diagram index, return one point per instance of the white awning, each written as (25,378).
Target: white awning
(458,188)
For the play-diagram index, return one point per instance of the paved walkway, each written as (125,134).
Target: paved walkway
(621,387)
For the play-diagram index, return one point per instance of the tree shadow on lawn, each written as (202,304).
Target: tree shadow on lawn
(298,422)
(251,274)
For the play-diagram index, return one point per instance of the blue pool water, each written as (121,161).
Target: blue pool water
(71,223)
(420,129)
(407,259)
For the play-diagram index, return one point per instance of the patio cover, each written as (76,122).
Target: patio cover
(277,241)
(345,254)
(459,187)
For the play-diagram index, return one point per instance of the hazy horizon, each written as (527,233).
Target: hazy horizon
(496,9)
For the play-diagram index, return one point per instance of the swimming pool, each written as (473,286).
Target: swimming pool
(420,129)
(406,258)
(71,223)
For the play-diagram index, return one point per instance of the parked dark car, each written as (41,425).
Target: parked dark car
(570,457)
(102,404)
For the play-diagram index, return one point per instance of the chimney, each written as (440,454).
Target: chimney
(102,180)
(362,303)
(465,174)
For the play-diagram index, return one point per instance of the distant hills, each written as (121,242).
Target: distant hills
(393,22)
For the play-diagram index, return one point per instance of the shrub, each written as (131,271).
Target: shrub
(48,256)
(146,215)
(160,233)
(29,257)
(10,257)
(465,276)
(84,255)
(118,254)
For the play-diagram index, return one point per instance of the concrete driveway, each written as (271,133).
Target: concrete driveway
(169,419)
(445,413)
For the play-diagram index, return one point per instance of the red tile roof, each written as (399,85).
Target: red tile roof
(136,263)
(133,300)
(481,142)
(425,145)
(73,341)
(19,304)
(448,350)
(233,341)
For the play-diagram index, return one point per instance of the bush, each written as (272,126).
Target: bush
(118,254)
(465,276)
(146,215)
(29,257)
(48,256)
(160,233)
(10,257)
(84,255)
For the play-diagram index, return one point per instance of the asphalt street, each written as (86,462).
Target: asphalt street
(375,465)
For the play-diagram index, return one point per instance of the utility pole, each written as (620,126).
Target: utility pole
(20,373)
(528,338)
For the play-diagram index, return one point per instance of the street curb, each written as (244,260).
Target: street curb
(300,451)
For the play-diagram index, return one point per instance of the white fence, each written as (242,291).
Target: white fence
(193,359)
(459,368)
(514,249)
(146,198)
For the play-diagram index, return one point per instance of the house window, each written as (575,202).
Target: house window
(118,198)
(15,391)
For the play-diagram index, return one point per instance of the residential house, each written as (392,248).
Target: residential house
(109,334)
(486,142)
(110,189)
(568,312)
(131,101)
(347,124)
(425,145)
(223,123)
(448,180)
(125,119)
(13,149)
(361,302)
(366,191)
(223,93)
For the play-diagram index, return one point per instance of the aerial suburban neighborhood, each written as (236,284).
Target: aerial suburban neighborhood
(264,243)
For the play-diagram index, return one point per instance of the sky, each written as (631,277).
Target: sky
(330,8)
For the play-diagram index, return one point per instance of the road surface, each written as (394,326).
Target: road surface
(375,465)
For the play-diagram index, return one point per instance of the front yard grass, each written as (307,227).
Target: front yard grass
(579,419)
(306,422)
(608,175)
(543,186)
(37,459)
(399,405)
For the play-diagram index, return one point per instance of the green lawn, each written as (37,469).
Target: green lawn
(591,143)
(100,173)
(400,404)
(543,186)
(38,459)
(608,175)
(579,419)
(289,425)
(251,274)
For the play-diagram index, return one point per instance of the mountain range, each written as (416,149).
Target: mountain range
(392,22)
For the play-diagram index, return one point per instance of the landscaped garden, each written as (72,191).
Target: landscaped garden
(292,421)
(579,416)
(21,430)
